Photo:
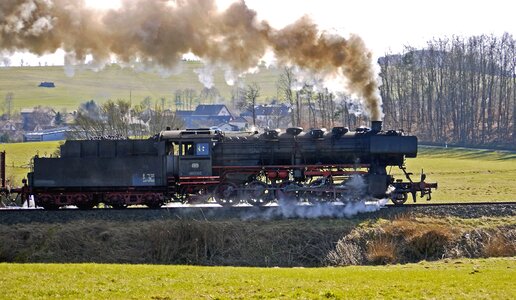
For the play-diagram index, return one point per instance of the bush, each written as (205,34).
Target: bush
(428,244)
(381,251)
(499,246)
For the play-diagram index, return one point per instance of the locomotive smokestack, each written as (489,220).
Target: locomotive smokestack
(376,126)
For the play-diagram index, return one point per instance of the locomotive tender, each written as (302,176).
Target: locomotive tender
(198,165)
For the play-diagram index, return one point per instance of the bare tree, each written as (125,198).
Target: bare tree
(8,103)
(210,94)
(285,85)
(251,94)
(459,90)
(237,97)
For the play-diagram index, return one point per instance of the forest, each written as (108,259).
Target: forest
(457,90)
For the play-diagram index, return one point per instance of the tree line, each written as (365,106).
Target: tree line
(119,119)
(459,91)
(455,90)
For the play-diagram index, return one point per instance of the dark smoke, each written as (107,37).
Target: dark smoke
(159,32)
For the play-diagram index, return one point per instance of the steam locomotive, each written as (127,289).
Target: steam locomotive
(203,165)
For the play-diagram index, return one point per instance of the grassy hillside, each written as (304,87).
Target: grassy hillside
(462,174)
(468,279)
(113,82)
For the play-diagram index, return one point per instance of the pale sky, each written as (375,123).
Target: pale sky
(385,26)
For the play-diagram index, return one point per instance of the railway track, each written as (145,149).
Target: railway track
(453,204)
(209,213)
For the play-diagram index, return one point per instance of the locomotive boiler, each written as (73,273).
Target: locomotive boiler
(203,165)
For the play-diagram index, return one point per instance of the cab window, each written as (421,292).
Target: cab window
(187,149)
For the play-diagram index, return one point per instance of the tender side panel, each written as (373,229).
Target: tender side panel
(108,148)
(136,171)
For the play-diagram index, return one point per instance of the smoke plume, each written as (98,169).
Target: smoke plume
(159,32)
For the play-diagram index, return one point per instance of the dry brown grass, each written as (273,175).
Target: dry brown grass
(239,243)
(345,253)
(381,251)
(420,239)
(499,246)
(407,238)
(254,243)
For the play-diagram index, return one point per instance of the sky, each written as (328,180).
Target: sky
(385,26)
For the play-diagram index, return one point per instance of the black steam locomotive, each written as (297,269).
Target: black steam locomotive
(204,165)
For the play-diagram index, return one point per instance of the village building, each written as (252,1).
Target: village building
(54,134)
(206,116)
(272,115)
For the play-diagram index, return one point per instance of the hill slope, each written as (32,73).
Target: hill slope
(113,82)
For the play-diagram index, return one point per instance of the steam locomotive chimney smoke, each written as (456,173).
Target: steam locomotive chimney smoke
(159,32)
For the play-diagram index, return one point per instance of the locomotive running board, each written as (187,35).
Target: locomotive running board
(347,166)
(189,180)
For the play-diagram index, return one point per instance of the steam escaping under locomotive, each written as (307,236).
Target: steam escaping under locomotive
(203,165)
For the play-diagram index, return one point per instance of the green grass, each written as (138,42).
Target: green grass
(19,156)
(463,279)
(113,82)
(467,174)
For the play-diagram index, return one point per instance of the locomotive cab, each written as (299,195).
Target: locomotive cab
(194,158)
(189,152)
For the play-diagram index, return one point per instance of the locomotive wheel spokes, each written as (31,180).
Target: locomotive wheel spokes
(84,201)
(257,193)
(47,201)
(320,190)
(153,201)
(288,192)
(226,194)
(399,198)
(115,201)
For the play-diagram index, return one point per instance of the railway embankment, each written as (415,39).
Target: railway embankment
(209,237)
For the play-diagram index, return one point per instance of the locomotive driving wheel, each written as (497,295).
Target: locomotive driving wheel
(288,192)
(47,201)
(257,193)
(399,198)
(226,194)
(319,191)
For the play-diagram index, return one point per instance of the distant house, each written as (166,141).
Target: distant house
(184,113)
(8,126)
(31,117)
(240,122)
(54,134)
(47,84)
(26,115)
(272,115)
(205,116)
(228,127)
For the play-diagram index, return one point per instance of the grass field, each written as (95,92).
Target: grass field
(452,279)
(19,156)
(462,174)
(467,174)
(113,82)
